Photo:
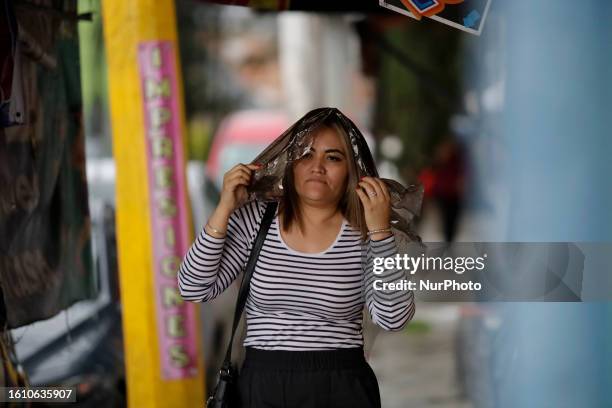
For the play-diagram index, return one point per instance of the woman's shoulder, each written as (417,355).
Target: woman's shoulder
(352,232)
(246,220)
(251,212)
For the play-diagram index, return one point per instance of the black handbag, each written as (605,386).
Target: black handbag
(225,393)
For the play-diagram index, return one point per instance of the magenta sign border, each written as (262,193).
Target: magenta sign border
(176,322)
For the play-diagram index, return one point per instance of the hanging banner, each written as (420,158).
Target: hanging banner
(176,319)
(466,15)
(45,230)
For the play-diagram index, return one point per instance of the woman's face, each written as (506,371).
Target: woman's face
(320,176)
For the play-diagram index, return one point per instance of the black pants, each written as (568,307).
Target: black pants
(307,379)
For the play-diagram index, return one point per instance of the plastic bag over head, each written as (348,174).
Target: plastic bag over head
(296,141)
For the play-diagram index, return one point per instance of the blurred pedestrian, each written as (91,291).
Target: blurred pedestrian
(449,185)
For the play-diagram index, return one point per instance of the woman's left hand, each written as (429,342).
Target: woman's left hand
(376,202)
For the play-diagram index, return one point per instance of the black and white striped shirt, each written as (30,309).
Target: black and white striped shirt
(297,301)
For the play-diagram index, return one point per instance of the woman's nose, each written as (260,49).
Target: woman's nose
(318,165)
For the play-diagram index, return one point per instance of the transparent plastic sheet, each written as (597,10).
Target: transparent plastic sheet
(296,141)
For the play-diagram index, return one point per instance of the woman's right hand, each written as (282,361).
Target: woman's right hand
(235,182)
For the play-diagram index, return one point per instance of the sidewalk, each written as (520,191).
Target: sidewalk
(416,369)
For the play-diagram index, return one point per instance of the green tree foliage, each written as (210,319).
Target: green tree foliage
(417,103)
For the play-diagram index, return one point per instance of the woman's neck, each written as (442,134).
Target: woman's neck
(319,215)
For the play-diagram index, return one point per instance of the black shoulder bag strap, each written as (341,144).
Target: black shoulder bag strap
(243,293)
(224,393)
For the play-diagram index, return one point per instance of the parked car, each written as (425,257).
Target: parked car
(240,137)
(82,346)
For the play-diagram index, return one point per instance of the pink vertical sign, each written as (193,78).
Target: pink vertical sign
(176,319)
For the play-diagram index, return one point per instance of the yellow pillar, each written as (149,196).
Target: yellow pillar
(162,356)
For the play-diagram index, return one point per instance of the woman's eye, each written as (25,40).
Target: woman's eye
(334,158)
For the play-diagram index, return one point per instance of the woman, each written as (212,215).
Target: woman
(314,273)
